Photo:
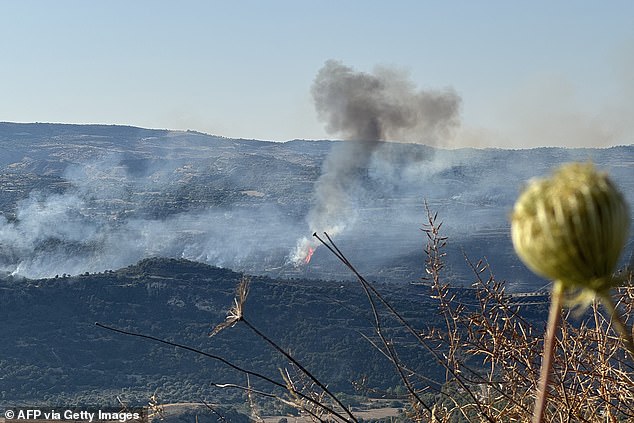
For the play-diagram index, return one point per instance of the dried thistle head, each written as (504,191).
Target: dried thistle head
(572,227)
(235,313)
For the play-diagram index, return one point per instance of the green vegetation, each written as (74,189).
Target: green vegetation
(53,353)
(490,356)
(490,347)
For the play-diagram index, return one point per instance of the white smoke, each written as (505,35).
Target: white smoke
(94,227)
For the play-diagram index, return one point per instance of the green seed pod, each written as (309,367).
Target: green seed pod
(572,227)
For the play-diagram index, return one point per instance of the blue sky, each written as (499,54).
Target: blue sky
(529,74)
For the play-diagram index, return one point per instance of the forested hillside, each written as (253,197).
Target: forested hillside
(54,353)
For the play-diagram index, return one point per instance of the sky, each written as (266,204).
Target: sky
(538,73)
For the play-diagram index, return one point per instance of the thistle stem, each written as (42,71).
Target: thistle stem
(554,315)
(619,324)
(317,382)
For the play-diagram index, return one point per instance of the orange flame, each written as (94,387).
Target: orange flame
(309,255)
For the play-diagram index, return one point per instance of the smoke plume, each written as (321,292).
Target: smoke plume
(382,106)
(366,109)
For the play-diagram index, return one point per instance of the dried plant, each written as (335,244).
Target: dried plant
(571,228)
(253,406)
(155,407)
(299,383)
(490,353)
(235,313)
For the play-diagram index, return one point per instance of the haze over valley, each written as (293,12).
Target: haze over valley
(88,198)
(142,219)
(169,172)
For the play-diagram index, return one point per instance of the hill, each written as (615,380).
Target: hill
(54,354)
(87,198)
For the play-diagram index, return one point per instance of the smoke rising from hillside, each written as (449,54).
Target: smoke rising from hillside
(97,224)
(243,204)
(366,109)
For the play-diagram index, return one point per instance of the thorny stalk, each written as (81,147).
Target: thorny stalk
(315,413)
(252,405)
(387,345)
(617,320)
(290,358)
(554,316)
(592,380)
(265,378)
(589,372)
(433,266)
(236,315)
(335,250)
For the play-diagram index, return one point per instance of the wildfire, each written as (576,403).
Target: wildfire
(309,255)
(303,252)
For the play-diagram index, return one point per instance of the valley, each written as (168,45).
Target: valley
(150,231)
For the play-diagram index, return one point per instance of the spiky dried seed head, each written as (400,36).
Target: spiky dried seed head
(572,227)
(235,313)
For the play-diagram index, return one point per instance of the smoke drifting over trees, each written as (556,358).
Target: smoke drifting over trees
(86,198)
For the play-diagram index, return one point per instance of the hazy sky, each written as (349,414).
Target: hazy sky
(531,73)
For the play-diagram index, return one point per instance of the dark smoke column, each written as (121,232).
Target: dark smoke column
(366,109)
(383,106)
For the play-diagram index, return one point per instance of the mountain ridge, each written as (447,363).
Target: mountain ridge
(103,126)
(113,195)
